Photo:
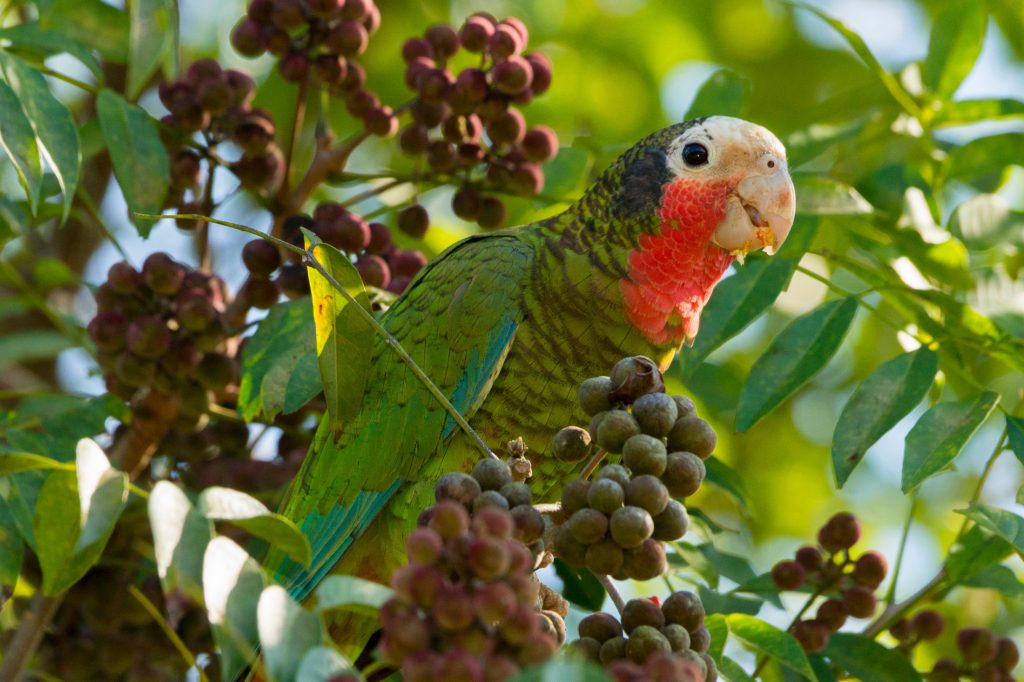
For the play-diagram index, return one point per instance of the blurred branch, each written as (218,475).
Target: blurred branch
(28,636)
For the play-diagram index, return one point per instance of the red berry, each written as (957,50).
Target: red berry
(870,569)
(540,144)
(840,532)
(407,263)
(414,221)
(374,271)
(443,39)
(380,239)
(859,601)
(505,42)
(331,68)
(928,624)
(247,38)
(472,84)
(293,66)
(349,38)
(541,72)
(788,575)
(512,76)
(810,558)
(811,634)
(476,33)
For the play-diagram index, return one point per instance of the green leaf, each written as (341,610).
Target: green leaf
(817,195)
(580,587)
(1000,578)
(1015,436)
(563,670)
(1006,525)
(88,22)
(225,504)
(986,156)
(739,299)
(885,397)
(799,352)
(322,664)
(16,462)
(771,641)
(724,93)
(954,46)
(976,551)
(280,373)
(75,515)
(54,126)
(12,547)
(151,36)
(566,175)
(733,671)
(986,220)
(180,536)
(719,632)
(732,566)
(975,110)
(725,477)
(937,437)
(31,37)
(36,344)
(866,659)
(344,338)
(139,156)
(18,140)
(730,602)
(351,594)
(232,584)
(287,631)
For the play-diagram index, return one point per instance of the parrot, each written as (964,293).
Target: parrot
(508,323)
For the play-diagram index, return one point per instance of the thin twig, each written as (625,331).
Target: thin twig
(22,646)
(372,192)
(158,617)
(313,262)
(594,462)
(613,592)
(101,224)
(298,119)
(890,594)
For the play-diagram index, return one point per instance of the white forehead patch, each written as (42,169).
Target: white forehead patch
(724,135)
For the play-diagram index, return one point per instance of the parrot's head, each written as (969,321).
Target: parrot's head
(695,196)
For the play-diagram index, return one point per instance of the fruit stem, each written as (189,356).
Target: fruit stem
(298,119)
(175,640)
(594,462)
(311,261)
(613,592)
(890,594)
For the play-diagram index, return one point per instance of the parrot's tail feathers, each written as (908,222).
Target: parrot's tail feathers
(330,536)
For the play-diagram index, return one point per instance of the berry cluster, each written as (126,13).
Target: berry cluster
(983,656)
(467,606)
(617,522)
(849,584)
(468,121)
(163,328)
(661,643)
(217,104)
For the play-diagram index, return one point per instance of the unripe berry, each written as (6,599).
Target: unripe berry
(216,371)
(648,493)
(494,602)
(593,395)
(692,434)
(870,569)
(490,498)
(811,634)
(645,562)
(944,670)
(575,495)
(639,612)
(630,526)
(677,636)
(644,641)
(441,156)
(600,626)
(672,523)
(644,454)
(476,33)
(493,520)
(414,221)
(615,472)
(529,524)
(1007,654)
(134,371)
(588,526)
(277,41)
(568,549)
(571,444)
(617,427)
(606,496)
(684,608)
(604,557)
(459,128)
(612,650)
(261,258)
(840,532)
(517,492)
(491,473)
(123,278)
(902,630)
(684,473)
(788,575)
(458,487)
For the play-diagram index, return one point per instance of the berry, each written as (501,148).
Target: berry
(613,649)
(293,67)
(684,473)
(870,569)
(860,601)
(260,171)
(639,612)
(491,473)
(840,532)
(443,39)
(648,493)
(811,634)
(472,85)
(293,281)
(348,38)
(449,519)
(576,495)
(644,641)
(507,128)
(247,38)
(633,377)
(162,274)
(646,562)
(644,454)
(672,523)
(540,143)
(476,33)
(381,122)
(148,337)
(677,636)
(261,258)
(517,493)
(330,68)
(588,526)
(605,496)
(788,575)
(700,639)
(254,133)
(414,221)
(541,66)
(692,434)
(615,429)
(615,472)
(216,371)
(832,613)
(107,330)
(571,444)
(512,76)
(977,645)
(505,41)
(568,548)
(1007,654)
(414,139)
(374,271)
(593,395)
(604,557)
(424,546)
(260,293)
(684,608)
(810,558)
(466,203)
(458,487)
(600,626)
(630,526)
(529,524)
(490,498)
(492,213)
(928,625)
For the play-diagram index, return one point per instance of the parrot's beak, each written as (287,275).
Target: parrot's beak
(759,213)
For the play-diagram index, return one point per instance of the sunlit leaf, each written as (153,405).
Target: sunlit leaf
(937,437)
(140,159)
(232,584)
(53,124)
(151,36)
(771,641)
(866,659)
(975,110)
(974,552)
(287,631)
(816,195)
(1015,436)
(986,220)
(796,354)
(245,511)
(344,338)
(351,593)
(12,547)
(725,477)
(31,37)
(986,156)
(280,373)
(322,664)
(733,671)
(1000,578)
(1007,525)
(954,45)
(881,400)
(724,93)
(89,22)
(180,536)
(16,462)
(18,140)
(580,586)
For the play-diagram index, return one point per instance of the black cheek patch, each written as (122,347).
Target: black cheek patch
(642,182)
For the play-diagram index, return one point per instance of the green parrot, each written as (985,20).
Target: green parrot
(507,324)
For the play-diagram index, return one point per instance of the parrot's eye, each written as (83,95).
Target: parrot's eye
(695,154)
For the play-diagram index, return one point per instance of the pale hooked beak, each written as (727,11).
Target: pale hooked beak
(759,214)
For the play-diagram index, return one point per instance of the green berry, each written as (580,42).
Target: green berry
(677,636)
(568,548)
(692,434)
(571,444)
(600,626)
(529,524)
(672,523)
(647,492)
(615,429)
(684,473)
(700,639)
(593,395)
(588,526)
(691,656)
(588,648)
(492,473)
(644,641)
(613,649)
(656,413)
(684,406)
(639,612)
(615,472)
(711,669)
(630,526)
(605,495)
(634,377)
(647,561)
(490,498)
(605,557)
(517,493)
(645,454)
(457,486)
(575,495)
(684,608)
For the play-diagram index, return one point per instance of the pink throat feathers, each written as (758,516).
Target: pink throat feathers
(672,273)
